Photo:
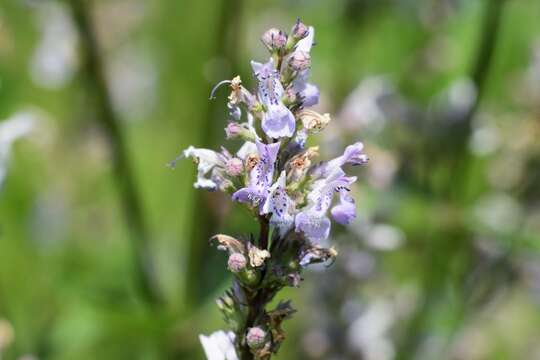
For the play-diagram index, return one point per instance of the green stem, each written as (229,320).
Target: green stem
(95,72)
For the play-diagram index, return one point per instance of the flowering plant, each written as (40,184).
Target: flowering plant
(274,176)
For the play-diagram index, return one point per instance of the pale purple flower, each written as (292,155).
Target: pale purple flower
(219,346)
(260,177)
(279,204)
(308,92)
(344,212)
(313,221)
(278,121)
(353,155)
(234,111)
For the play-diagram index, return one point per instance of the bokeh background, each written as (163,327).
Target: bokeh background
(104,251)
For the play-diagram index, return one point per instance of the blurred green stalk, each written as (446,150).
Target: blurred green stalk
(94,70)
(203,270)
(456,240)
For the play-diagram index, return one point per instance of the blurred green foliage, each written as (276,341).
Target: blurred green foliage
(67,285)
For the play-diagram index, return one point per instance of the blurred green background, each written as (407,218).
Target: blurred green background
(104,251)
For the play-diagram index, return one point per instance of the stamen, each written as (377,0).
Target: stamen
(172,164)
(214,89)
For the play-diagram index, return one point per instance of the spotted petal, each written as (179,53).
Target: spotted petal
(345,211)
(314,226)
(278,121)
(279,204)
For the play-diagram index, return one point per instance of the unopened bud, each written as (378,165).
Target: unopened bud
(233,130)
(300,60)
(274,39)
(313,121)
(234,167)
(237,262)
(299,30)
(256,337)
(289,97)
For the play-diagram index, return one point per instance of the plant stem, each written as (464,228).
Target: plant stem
(258,299)
(263,232)
(123,175)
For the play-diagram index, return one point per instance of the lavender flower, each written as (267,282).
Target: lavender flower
(313,221)
(279,205)
(308,92)
(273,174)
(260,177)
(278,121)
(353,155)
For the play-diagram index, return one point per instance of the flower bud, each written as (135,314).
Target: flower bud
(256,337)
(237,262)
(313,121)
(233,130)
(300,60)
(289,97)
(234,167)
(299,30)
(274,39)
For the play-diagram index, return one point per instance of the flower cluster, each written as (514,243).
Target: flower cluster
(274,174)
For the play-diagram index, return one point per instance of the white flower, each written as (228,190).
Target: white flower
(206,161)
(12,129)
(247,149)
(219,346)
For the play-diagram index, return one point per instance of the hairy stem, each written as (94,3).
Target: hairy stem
(97,87)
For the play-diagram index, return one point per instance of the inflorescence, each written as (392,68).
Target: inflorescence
(275,176)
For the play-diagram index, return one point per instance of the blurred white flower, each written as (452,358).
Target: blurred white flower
(362,108)
(219,345)
(369,333)
(485,140)
(316,343)
(12,129)
(55,58)
(359,264)
(6,334)
(462,94)
(498,212)
(383,168)
(132,79)
(385,237)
